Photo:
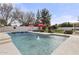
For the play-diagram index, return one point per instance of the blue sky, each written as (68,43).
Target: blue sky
(61,12)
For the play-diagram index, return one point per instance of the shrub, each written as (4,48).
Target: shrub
(66,24)
(68,32)
(3,22)
(54,26)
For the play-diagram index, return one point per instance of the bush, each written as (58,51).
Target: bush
(68,32)
(3,22)
(66,24)
(54,26)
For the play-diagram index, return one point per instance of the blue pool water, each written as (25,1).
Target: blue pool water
(36,44)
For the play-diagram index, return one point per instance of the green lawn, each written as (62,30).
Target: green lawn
(57,31)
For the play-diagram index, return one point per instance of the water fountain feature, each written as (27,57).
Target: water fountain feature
(38,38)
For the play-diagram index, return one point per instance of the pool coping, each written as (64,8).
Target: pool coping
(68,47)
(5,36)
(58,34)
(70,44)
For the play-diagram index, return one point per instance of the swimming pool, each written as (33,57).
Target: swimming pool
(36,44)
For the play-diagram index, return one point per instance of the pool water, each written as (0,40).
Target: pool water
(36,44)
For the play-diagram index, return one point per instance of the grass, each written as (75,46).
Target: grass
(55,31)
(58,31)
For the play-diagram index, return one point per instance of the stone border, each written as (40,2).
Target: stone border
(57,34)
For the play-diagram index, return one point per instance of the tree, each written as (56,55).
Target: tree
(66,24)
(45,17)
(30,17)
(54,26)
(23,17)
(17,14)
(2,22)
(5,10)
(38,15)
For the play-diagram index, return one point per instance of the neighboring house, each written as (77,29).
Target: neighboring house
(16,23)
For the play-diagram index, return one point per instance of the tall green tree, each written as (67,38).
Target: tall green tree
(45,15)
(38,15)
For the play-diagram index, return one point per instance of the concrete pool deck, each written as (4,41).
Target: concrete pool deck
(6,45)
(68,47)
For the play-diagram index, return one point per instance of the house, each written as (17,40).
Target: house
(13,22)
(16,23)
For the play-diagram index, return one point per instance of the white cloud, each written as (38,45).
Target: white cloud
(66,18)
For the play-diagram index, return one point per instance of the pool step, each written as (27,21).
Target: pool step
(6,40)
